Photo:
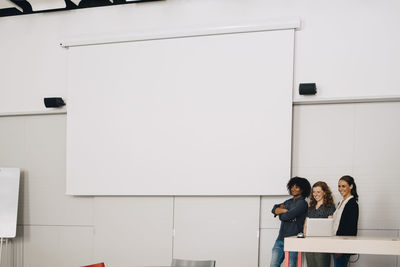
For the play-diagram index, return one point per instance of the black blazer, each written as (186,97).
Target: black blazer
(349,219)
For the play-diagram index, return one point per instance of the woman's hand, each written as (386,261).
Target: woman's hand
(280,210)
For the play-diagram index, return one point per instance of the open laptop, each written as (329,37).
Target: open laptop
(319,227)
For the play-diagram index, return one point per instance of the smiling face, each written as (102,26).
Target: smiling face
(344,189)
(296,191)
(318,194)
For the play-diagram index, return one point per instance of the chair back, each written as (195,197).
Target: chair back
(101,264)
(192,263)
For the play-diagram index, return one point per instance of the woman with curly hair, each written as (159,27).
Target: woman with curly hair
(321,206)
(292,214)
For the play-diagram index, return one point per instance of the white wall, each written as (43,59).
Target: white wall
(329,141)
(360,140)
(348,48)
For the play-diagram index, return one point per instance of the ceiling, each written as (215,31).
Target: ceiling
(22,7)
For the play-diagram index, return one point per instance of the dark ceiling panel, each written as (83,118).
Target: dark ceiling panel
(12,11)
(27,8)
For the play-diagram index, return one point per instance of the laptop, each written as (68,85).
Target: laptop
(319,227)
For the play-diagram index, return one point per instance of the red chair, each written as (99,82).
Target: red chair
(101,264)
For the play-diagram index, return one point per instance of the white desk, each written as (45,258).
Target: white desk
(341,244)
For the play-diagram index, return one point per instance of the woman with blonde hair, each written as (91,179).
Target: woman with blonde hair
(321,206)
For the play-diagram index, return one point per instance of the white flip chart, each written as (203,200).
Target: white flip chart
(9,187)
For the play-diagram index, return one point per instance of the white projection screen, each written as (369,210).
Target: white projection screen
(205,115)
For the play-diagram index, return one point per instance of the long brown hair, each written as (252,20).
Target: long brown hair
(350,181)
(328,199)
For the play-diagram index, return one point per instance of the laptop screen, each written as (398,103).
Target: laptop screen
(319,227)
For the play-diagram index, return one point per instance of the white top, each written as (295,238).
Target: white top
(338,214)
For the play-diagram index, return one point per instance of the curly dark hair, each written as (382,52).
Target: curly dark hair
(328,199)
(303,183)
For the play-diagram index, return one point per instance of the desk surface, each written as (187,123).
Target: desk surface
(344,244)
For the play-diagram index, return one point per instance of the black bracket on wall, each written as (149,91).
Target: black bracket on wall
(27,7)
(307,89)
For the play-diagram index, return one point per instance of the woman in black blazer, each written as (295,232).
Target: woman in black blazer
(345,218)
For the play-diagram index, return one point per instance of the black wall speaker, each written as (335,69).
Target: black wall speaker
(307,89)
(53,102)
